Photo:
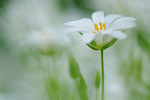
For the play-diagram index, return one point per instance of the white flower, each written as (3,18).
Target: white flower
(101,29)
(46,40)
(47,36)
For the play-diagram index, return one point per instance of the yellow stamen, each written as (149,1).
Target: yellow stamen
(94,32)
(96,27)
(104,26)
(101,27)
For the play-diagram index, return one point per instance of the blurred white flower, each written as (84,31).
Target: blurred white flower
(101,29)
(25,15)
(47,40)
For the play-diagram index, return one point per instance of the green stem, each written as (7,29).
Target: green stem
(102,66)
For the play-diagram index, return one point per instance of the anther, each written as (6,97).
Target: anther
(96,27)
(101,27)
(104,26)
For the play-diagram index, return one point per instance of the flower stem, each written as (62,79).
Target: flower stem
(102,66)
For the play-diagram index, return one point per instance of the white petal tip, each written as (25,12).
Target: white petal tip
(119,35)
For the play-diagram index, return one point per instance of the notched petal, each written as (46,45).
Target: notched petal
(98,17)
(119,35)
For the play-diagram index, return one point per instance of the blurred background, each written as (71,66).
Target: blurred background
(38,62)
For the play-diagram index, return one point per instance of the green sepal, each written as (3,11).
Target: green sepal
(93,45)
(73,67)
(81,33)
(97,80)
(109,44)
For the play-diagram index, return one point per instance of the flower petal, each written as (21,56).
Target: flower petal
(124,19)
(109,19)
(108,31)
(123,25)
(89,22)
(119,35)
(73,29)
(98,17)
(80,24)
(88,37)
(98,38)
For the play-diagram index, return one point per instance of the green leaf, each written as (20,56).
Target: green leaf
(83,96)
(143,42)
(81,84)
(109,44)
(82,88)
(97,80)
(73,67)
(52,88)
(54,85)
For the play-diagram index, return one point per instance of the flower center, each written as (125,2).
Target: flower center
(45,36)
(102,26)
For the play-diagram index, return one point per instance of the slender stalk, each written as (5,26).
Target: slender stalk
(102,66)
